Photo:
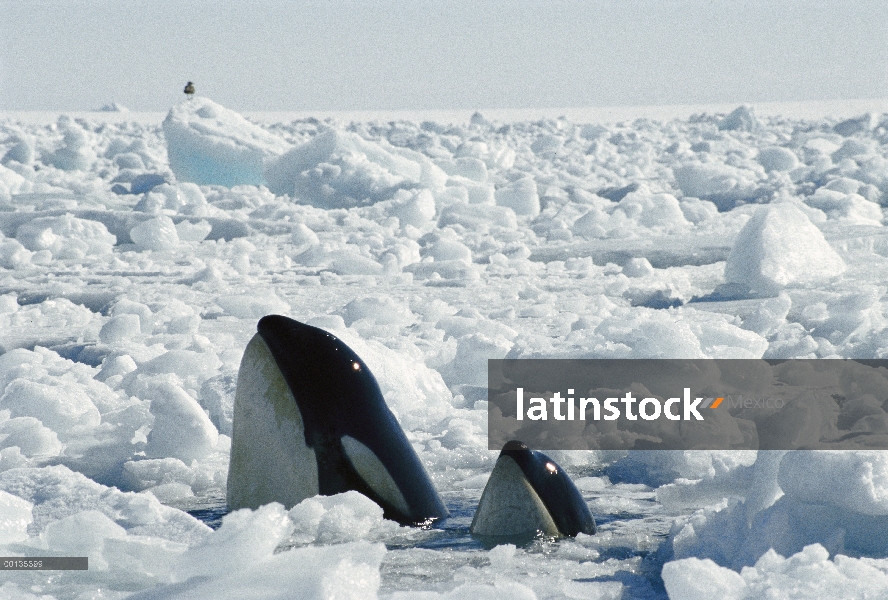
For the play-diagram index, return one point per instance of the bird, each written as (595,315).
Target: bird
(189,90)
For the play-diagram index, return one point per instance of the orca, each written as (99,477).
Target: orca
(309,418)
(529,493)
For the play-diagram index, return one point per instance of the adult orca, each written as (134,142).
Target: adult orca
(309,419)
(528,493)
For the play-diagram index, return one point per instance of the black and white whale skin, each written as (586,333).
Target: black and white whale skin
(528,493)
(309,419)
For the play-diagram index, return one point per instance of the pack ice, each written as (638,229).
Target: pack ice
(135,260)
(210,144)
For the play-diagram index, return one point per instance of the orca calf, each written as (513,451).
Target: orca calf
(309,419)
(528,493)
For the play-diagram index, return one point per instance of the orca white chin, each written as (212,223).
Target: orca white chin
(309,419)
(529,494)
(270,461)
(510,506)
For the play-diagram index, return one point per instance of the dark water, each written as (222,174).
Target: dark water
(210,516)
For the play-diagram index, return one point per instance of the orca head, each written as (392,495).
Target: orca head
(529,493)
(310,419)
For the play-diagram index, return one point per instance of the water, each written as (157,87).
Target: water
(631,525)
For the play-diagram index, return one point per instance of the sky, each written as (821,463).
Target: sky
(281,55)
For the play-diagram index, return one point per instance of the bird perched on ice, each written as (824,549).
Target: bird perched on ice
(189,90)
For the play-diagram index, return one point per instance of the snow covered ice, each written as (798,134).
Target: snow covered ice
(135,260)
(210,144)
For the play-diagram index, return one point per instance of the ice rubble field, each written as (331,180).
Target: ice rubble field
(136,259)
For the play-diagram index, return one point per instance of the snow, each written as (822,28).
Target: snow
(775,158)
(181,428)
(806,574)
(16,516)
(339,169)
(210,144)
(136,258)
(521,196)
(156,234)
(780,246)
(66,237)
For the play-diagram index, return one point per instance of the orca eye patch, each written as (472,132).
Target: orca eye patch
(374,472)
